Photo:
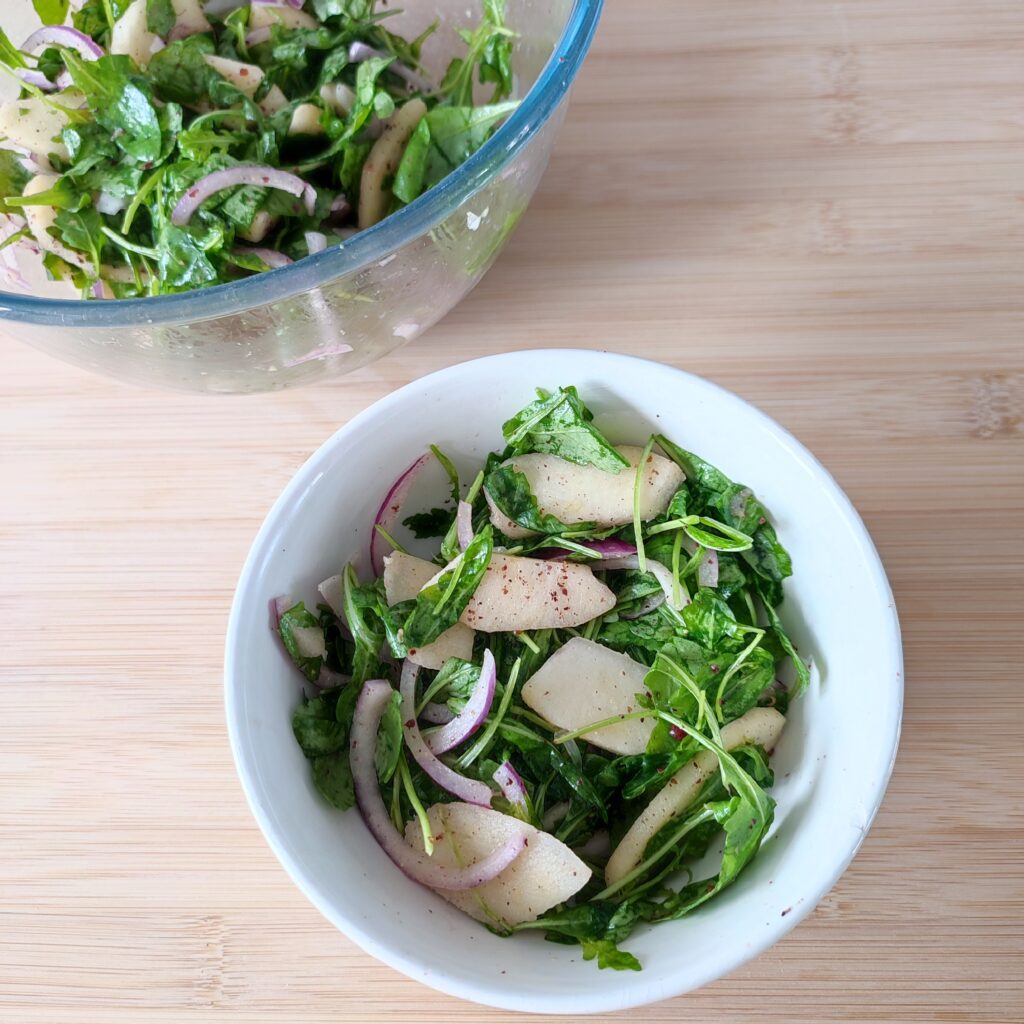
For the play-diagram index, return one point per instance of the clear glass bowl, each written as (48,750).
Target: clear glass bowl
(382,288)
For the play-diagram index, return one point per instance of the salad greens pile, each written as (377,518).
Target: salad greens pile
(163,145)
(694,604)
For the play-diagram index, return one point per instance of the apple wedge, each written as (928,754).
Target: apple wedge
(404,577)
(517,594)
(585,682)
(545,874)
(762,726)
(586,494)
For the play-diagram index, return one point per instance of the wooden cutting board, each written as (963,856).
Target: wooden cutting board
(819,205)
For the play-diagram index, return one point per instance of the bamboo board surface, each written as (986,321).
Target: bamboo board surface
(818,205)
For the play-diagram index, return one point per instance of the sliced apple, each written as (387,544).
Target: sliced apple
(404,577)
(40,219)
(338,96)
(305,120)
(586,494)
(247,78)
(262,224)
(585,682)
(131,36)
(381,164)
(33,125)
(189,19)
(545,874)
(265,15)
(762,726)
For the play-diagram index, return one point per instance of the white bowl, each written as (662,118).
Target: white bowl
(831,767)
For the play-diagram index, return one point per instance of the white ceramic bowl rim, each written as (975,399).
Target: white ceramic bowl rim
(363,249)
(632,989)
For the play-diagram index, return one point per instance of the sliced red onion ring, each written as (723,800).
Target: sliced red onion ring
(63,36)
(257,36)
(470,790)
(390,509)
(652,602)
(36,78)
(511,784)
(332,590)
(360,51)
(464,524)
(610,548)
(316,242)
(280,605)
(437,714)
(64,80)
(271,257)
(297,4)
(656,569)
(373,700)
(472,716)
(98,290)
(707,571)
(244,174)
(340,205)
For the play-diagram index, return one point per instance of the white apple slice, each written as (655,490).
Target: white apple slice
(404,577)
(262,224)
(762,726)
(383,161)
(265,15)
(586,494)
(247,78)
(40,219)
(305,120)
(338,96)
(189,19)
(545,874)
(131,36)
(517,593)
(33,125)
(585,682)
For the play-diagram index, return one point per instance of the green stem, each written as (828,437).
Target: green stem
(391,540)
(564,737)
(492,727)
(638,479)
(417,806)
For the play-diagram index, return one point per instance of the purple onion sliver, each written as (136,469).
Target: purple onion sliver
(329,679)
(473,715)
(316,242)
(707,571)
(437,714)
(471,790)
(63,36)
(358,52)
(260,175)
(271,257)
(257,36)
(391,507)
(374,699)
(511,784)
(36,78)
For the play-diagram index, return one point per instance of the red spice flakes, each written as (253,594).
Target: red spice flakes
(677,734)
(411,723)
(243,72)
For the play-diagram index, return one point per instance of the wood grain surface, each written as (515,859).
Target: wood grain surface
(818,205)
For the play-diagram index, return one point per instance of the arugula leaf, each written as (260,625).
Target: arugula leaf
(10,55)
(510,491)
(412,169)
(710,620)
(439,605)
(434,523)
(489,49)
(179,71)
(160,17)
(13,178)
(458,132)
(316,728)
(51,12)
(120,102)
(389,739)
(299,617)
(803,673)
(332,776)
(82,230)
(560,424)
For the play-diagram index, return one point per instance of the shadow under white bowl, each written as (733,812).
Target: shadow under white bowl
(832,765)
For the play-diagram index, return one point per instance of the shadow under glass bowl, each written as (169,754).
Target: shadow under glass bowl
(334,312)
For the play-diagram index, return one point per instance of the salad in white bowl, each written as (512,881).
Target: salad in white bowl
(547,762)
(557,718)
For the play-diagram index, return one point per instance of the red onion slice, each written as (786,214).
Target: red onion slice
(360,51)
(36,78)
(437,714)
(472,716)
(63,36)
(340,205)
(470,790)
(260,175)
(329,679)
(464,524)
(297,4)
(390,509)
(316,242)
(511,784)
(656,569)
(278,606)
(610,548)
(373,700)
(271,257)
(707,571)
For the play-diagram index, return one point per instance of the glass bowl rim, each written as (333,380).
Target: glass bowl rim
(365,248)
